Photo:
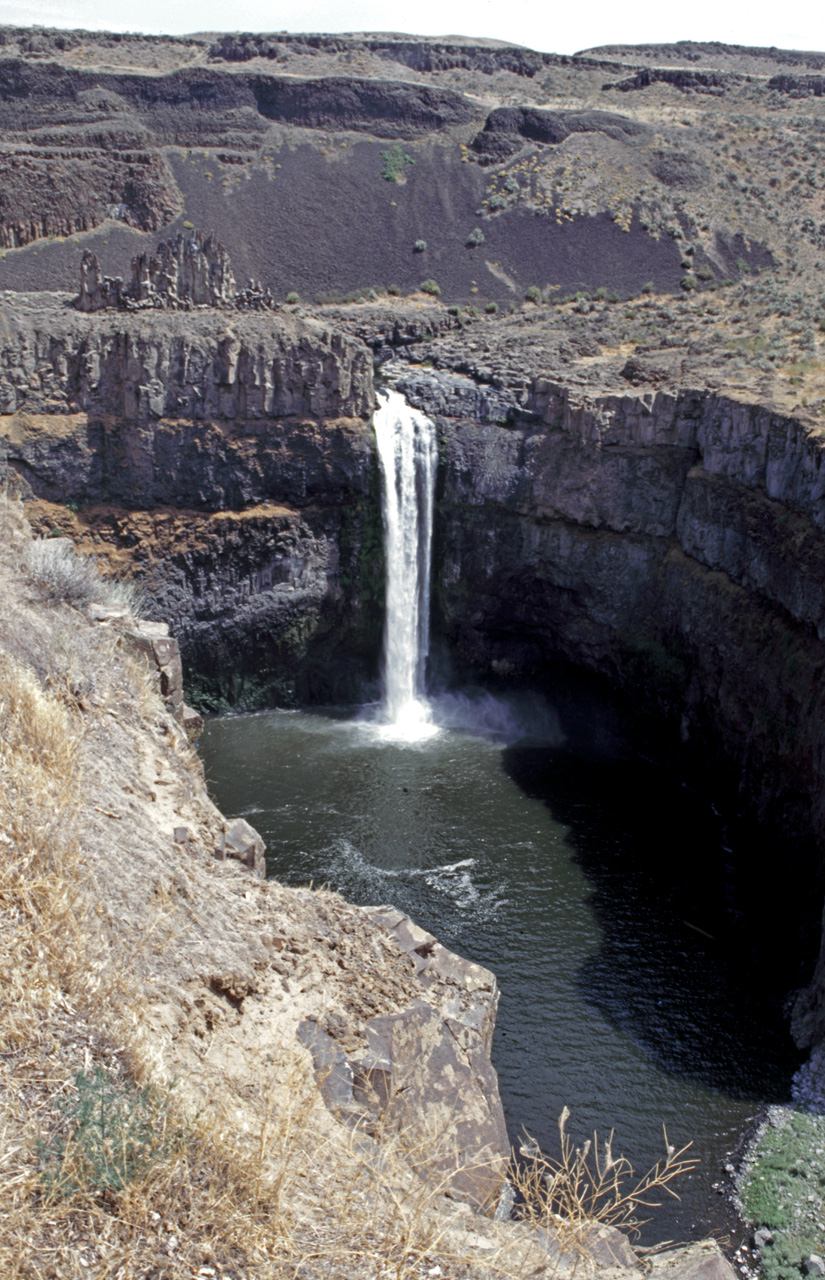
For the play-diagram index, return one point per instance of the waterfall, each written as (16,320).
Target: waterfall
(407,456)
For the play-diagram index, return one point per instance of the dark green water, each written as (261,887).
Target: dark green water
(636,985)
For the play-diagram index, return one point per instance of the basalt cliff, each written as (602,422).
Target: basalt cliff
(666,537)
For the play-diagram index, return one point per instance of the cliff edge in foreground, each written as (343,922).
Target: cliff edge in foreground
(334,1058)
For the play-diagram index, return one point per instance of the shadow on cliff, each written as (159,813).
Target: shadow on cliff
(700,945)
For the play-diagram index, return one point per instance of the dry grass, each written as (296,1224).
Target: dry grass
(589,1186)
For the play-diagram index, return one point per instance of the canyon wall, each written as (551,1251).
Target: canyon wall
(226,462)
(669,540)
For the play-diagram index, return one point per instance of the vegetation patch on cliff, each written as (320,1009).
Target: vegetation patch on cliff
(782,1192)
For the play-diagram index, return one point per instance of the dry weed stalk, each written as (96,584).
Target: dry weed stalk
(589,1187)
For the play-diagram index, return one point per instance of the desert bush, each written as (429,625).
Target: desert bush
(394,290)
(293,296)
(61,574)
(688,283)
(647,287)
(491,308)
(420,246)
(394,162)
(476,237)
(110,1133)
(533,294)
(430,287)
(705,272)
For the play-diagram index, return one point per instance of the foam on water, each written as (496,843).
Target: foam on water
(452,882)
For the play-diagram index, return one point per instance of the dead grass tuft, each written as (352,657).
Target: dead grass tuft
(590,1186)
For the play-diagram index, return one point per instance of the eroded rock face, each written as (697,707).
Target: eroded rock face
(191,270)
(228,463)
(673,541)
(426,1073)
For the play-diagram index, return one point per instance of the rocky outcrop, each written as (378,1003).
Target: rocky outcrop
(798,86)
(689,81)
(204,367)
(167,104)
(425,1073)
(52,190)
(508,128)
(420,55)
(191,270)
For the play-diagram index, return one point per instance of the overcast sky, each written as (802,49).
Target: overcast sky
(557,28)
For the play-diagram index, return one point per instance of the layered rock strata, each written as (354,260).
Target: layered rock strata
(672,541)
(230,461)
(669,539)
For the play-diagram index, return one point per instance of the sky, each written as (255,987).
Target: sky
(552,28)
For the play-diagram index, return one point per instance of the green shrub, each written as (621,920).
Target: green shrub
(688,283)
(394,163)
(491,308)
(613,296)
(705,272)
(454,311)
(533,294)
(475,237)
(430,286)
(394,290)
(648,287)
(601,292)
(111,1133)
(293,296)
(497,201)
(419,246)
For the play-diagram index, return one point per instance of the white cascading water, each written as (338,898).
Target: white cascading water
(407,456)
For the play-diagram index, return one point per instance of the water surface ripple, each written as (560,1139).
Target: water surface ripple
(595,887)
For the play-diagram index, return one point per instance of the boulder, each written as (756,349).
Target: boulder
(702,1261)
(153,640)
(241,841)
(442,1099)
